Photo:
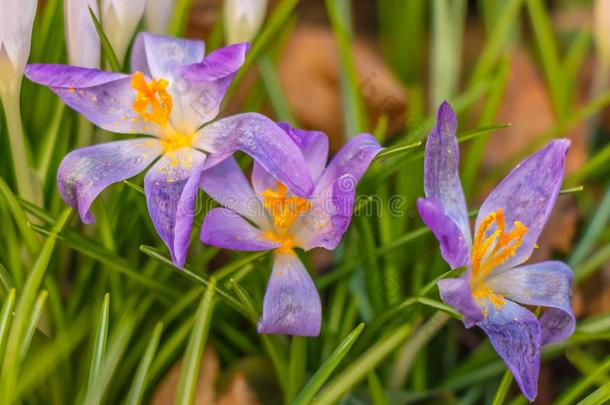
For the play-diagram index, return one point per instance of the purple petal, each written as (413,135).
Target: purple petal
(159,56)
(327,220)
(227,184)
(104,98)
(547,284)
(171,194)
(84,173)
(514,333)
(441,170)
(291,305)
(202,86)
(528,195)
(225,229)
(262,139)
(353,158)
(457,293)
(454,247)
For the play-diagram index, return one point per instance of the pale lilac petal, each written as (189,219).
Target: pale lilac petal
(84,173)
(330,214)
(104,98)
(225,229)
(528,195)
(262,139)
(159,56)
(171,194)
(455,248)
(291,305)
(200,87)
(227,184)
(514,333)
(353,158)
(546,284)
(441,170)
(457,293)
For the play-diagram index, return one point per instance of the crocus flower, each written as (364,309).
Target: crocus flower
(120,19)
(507,227)
(243,19)
(269,216)
(158,14)
(82,40)
(172,96)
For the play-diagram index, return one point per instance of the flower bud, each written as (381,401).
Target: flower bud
(158,14)
(82,40)
(243,19)
(120,19)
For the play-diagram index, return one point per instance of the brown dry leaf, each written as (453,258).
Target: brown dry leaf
(310,74)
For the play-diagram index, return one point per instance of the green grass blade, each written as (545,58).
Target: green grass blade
(191,362)
(136,392)
(180,17)
(274,89)
(296,366)
(99,346)
(599,396)
(583,385)
(502,390)
(319,378)
(6,317)
(105,42)
(32,324)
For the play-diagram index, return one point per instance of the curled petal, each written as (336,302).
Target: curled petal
(514,333)
(291,305)
(457,293)
(227,184)
(353,158)
(225,229)
(454,247)
(441,170)
(547,284)
(84,173)
(171,193)
(528,195)
(262,139)
(160,56)
(200,87)
(104,98)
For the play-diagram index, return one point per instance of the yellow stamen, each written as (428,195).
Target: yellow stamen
(172,141)
(152,101)
(488,252)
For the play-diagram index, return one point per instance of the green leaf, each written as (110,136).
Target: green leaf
(296,366)
(180,17)
(32,324)
(6,316)
(105,42)
(502,390)
(274,89)
(319,378)
(191,362)
(99,346)
(136,392)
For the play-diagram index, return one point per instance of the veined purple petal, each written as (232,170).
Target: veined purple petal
(353,158)
(227,184)
(291,305)
(84,173)
(159,56)
(200,87)
(457,293)
(171,194)
(547,284)
(514,333)
(104,98)
(454,247)
(528,195)
(329,217)
(225,229)
(441,170)
(262,139)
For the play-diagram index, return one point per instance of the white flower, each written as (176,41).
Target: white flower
(243,19)
(120,19)
(16,20)
(158,14)
(601,27)
(82,40)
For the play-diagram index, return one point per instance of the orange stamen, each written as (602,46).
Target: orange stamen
(152,101)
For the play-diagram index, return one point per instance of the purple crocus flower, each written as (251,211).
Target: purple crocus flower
(172,96)
(269,216)
(507,227)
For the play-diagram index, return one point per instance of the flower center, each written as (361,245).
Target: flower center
(152,101)
(284,211)
(173,140)
(488,252)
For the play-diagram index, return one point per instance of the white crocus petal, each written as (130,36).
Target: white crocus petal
(601,27)
(120,19)
(82,40)
(243,18)
(158,14)
(16,20)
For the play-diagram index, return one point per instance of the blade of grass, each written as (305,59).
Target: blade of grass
(6,317)
(99,346)
(136,392)
(191,362)
(274,89)
(296,367)
(576,390)
(105,42)
(321,376)
(180,17)
(32,324)
(502,390)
